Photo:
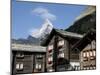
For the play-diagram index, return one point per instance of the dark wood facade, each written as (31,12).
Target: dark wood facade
(59,56)
(88,57)
(87,48)
(28,61)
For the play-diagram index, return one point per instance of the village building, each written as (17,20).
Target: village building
(28,59)
(61,50)
(87,48)
(61,53)
(59,56)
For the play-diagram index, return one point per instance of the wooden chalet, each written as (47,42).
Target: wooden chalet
(58,50)
(28,59)
(87,48)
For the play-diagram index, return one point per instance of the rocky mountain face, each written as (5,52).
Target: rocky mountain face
(28,40)
(31,39)
(84,24)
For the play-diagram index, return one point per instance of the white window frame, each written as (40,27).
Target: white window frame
(61,54)
(61,43)
(38,66)
(87,54)
(50,47)
(50,58)
(84,54)
(19,66)
(94,53)
(91,53)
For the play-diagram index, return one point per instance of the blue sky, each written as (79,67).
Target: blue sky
(28,17)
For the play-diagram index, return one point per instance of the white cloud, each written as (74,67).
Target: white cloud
(44,13)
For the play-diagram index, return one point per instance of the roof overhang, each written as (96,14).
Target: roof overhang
(61,33)
(88,38)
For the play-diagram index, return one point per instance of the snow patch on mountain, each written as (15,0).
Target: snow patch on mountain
(44,30)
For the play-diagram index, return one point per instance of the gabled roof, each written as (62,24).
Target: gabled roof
(29,48)
(68,34)
(61,33)
(88,38)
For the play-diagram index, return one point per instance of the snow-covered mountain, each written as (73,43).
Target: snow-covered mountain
(45,29)
(28,40)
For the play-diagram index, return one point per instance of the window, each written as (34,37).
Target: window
(50,58)
(50,47)
(20,55)
(50,50)
(50,69)
(84,54)
(61,42)
(91,53)
(38,66)
(19,66)
(77,67)
(87,53)
(39,56)
(91,67)
(94,53)
(61,54)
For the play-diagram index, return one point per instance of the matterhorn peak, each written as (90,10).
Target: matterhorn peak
(47,21)
(45,29)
